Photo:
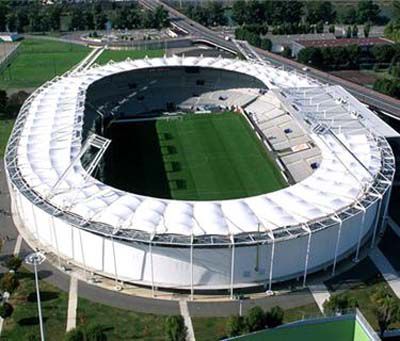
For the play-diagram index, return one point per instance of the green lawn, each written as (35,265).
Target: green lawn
(38,61)
(303,312)
(121,324)
(6,125)
(24,322)
(209,328)
(196,157)
(120,55)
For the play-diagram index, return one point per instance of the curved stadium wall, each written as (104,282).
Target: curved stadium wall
(181,259)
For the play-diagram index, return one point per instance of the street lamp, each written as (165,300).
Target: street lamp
(34,259)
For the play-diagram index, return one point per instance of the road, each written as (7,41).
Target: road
(368,96)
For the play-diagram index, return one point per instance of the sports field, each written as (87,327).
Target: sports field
(39,60)
(196,157)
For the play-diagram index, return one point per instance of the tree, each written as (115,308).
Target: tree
(9,282)
(3,101)
(175,329)
(6,310)
(14,263)
(266,44)
(12,21)
(216,13)
(100,18)
(235,325)
(255,319)
(368,11)
(348,32)
(396,9)
(4,10)
(15,102)
(160,17)
(340,303)
(320,11)
(386,308)
(310,55)
(367,29)
(387,86)
(349,15)
(239,12)
(287,52)
(354,31)
(383,53)
(274,317)
(332,28)
(319,27)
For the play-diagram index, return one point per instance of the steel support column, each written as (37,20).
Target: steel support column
(232,266)
(337,246)
(307,257)
(360,234)
(377,219)
(191,269)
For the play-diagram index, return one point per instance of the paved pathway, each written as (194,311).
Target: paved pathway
(320,293)
(17,247)
(387,270)
(188,321)
(72,303)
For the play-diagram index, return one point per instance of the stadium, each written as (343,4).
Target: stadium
(196,173)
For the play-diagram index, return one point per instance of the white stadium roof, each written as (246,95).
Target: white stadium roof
(51,139)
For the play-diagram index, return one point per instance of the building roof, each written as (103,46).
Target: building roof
(289,38)
(343,42)
(51,138)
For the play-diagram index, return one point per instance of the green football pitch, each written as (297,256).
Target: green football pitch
(193,157)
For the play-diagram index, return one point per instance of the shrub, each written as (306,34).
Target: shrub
(175,329)
(14,263)
(274,317)
(94,332)
(235,325)
(15,102)
(255,319)
(6,310)
(386,309)
(340,303)
(9,282)
(75,334)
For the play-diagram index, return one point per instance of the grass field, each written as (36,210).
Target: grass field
(38,61)
(6,125)
(24,323)
(197,157)
(121,324)
(120,55)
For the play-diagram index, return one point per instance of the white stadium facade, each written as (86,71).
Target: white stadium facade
(331,149)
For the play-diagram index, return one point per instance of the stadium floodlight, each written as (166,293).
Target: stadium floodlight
(35,259)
